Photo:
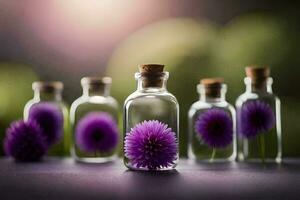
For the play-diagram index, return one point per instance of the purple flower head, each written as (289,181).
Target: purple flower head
(50,118)
(255,117)
(97,131)
(24,141)
(151,144)
(215,127)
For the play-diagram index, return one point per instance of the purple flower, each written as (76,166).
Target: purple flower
(97,131)
(151,144)
(50,118)
(215,127)
(24,141)
(255,117)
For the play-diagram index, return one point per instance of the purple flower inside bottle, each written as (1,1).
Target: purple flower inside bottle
(50,118)
(152,145)
(97,132)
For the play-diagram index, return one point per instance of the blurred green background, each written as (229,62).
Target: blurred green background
(65,40)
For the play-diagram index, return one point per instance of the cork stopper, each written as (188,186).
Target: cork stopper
(212,82)
(96,84)
(152,74)
(257,73)
(96,81)
(47,86)
(151,69)
(212,86)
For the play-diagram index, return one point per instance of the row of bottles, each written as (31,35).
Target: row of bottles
(151,121)
(252,132)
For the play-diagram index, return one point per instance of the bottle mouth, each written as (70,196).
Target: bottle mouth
(48,86)
(152,75)
(258,73)
(212,92)
(152,81)
(251,81)
(212,87)
(151,71)
(162,75)
(96,81)
(214,83)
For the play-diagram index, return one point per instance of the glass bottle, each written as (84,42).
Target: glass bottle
(49,110)
(151,117)
(258,118)
(94,119)
(212,134)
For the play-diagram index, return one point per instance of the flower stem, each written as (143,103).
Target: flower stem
(262,147)
(213,154)
(95,154)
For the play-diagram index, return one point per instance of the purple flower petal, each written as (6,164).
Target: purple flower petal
(151,144)
(24,141)
(255,117)
(97,131)
(215,127)
(50,118)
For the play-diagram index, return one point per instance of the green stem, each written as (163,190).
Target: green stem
(213,154)
(262,147)
(95,154)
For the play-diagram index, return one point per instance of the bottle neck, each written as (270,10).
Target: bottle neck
(96,90)
(259,86)
(152,83)
(212,95)
(55,95)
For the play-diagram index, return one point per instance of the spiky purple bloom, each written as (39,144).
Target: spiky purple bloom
(97,131)
(255,117)
(151,144)
(215,128)
(24,141)
(51,120)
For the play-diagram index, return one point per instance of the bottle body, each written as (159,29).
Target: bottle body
(51,113)
(95,135)
(141,107)
(259,125)
(151,127)
(212,133)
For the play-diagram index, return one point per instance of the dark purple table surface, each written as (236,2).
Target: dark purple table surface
(64,179)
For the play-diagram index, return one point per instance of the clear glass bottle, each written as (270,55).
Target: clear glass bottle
(94,119)
(151,117)
(49,110)
(212,135)
(258,118)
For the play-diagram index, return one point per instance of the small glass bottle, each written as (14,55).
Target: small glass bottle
(94,119)
(151,117)
(51,113)
(258,118)
(212,135)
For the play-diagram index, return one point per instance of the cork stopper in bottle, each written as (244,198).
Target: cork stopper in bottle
(212,86)
(96,80)
(47,86)
(96,83)
(258,75)
(152,74)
